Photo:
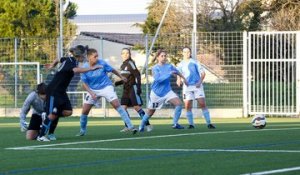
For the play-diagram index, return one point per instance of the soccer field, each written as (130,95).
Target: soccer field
(235,147)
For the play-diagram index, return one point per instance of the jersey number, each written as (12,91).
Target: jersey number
(154,105)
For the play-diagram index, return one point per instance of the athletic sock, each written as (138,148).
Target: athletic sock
(189,116)
(83,122)
(206,115)
(53,126)
(146,118)
(177,114)
(125,117)
(45,127)
(128,116)
(141,114)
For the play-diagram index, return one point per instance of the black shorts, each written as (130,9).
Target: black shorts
(57,103)
(130,98)
(35,122)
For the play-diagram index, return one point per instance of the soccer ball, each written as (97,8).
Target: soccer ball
(259,121)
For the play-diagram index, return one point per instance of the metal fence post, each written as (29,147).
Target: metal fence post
(16,75)
(245,75)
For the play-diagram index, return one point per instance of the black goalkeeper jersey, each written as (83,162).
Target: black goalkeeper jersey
(63,76)
(132,74)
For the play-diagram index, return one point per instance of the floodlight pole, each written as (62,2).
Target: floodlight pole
(155,36)
(194,33)
(150,49)
(61,28)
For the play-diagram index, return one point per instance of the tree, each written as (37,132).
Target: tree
(24,18)
(29,18)
(284,14)
(250,13)
(172,24)
(71,10)
(229,15)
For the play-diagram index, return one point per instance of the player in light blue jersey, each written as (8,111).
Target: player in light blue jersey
(98,84)
(161,91)
(194,75)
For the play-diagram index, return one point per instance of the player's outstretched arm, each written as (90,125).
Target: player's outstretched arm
(182,77)
(52,65)
(117,73)
(82,70)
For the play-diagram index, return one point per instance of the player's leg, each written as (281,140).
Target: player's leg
(64,110)
(34,127)
(52,128)
(84,118)
(146,118)
(110,95)
(88,103)
(189,114)
(188,97)
(200,97)
(205,112)
(51,110)
(141,113)
(125,102)
(124,115)
(137,102)
(155,102)
(177,112)
(172,98)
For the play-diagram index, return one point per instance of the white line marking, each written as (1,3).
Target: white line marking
(275,171)
(149,137)
(169,150)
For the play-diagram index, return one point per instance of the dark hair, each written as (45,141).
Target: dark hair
(189,50)
(159,51)
(78,50)
(129,51)
(41,88)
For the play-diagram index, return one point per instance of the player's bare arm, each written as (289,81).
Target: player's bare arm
(82,70)
(52,65)
(117,73)
(86,87)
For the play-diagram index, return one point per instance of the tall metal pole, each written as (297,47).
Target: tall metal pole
(194,33)
(61,10)
(16,73)
(155,36)
(146,73)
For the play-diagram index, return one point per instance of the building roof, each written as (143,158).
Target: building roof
(122,38)
(121,18)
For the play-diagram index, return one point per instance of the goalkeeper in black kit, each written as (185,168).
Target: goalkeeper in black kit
(132,88)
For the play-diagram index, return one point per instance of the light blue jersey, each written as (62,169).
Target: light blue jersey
(191,70)
(162,74)
(97,79)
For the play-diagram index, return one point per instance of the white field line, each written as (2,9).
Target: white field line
(166,150)
(148,137)
(275,171)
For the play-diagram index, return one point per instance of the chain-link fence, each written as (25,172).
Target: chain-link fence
(220,53)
